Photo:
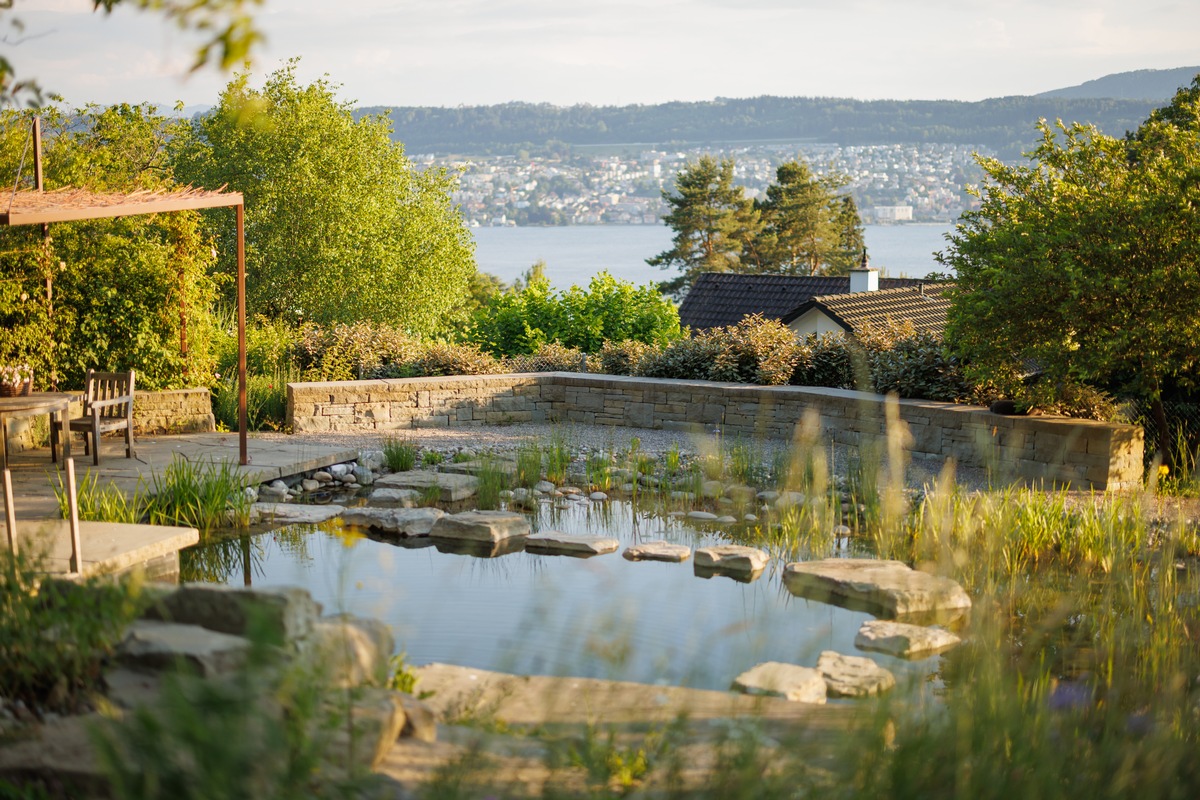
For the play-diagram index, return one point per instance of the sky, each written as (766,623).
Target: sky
(616,52)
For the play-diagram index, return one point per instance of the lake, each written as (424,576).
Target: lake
(573,254)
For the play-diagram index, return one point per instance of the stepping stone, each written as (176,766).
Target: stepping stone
(732,558)
(453,487)
(657,551)
(544,487)
(884,588)
(702,516)
(294,513)
(726,520)
(475,466)
(903,640)
(554,543)
(789,681)
(155,646)
(481,526)
(853,676)
(398,521)
(599,497)
(405,498)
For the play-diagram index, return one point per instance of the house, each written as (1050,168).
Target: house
(718,299)
(925,305)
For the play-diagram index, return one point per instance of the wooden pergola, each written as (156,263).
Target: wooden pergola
(40,207)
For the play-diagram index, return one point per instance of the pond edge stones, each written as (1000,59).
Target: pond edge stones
(451,487)
(903,640)
(490,527)
(568,544)
(657,551)
(397,521)
(731,559)
(789,681)
(884,588)
(853,676)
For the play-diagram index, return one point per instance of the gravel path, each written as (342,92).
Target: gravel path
(586,438)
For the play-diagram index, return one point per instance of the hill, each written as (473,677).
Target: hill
(1143,84)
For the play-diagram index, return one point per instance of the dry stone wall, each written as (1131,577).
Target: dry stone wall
(172,411)
(1082,453)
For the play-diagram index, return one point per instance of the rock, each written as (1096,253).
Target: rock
(657,551)
(555,543)
(768,496)
(376,718)
(287,613)
(371,459)
(599,497)
(903,640)
(570,490)
(702,516)
(711,490)
(724,502)
(452,487)
(750,518)
(853,676)
(310,485)
(349,651)
(278,486)
(727,558)
(398,521)
(322,476)
(130,689)
(627,488)
(481,526)
(338,470)
(251,493)
(420,722)
(295,513)
(788,499)
(726,520)
(776,679)
(272,493)
(348,478)
(545,487)
(363,475)
(405,498)
(740,493)
(884,588)
(841,530)
(156,646)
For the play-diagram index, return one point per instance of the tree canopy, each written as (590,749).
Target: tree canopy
(1086,261)
(340,225)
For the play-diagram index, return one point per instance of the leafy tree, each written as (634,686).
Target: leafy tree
(807,227)
(1087,260)
(340,226)
(713,222)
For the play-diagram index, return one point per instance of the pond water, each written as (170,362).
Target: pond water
(603,617)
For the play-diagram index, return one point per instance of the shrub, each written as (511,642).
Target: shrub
(266,401)
(353,351)
(440,358)
(826,360)
(625,357)
(755,350)
(921,367)
(1072,399)
(550,357)
(683,359)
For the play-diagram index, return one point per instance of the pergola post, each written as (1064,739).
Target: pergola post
(243,422)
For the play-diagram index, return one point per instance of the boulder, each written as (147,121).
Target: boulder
(481,526)
(789,681)
(555,543)
(702,516)
(544,487)
(397,521)
(786,500)
(740,493)
(883,588)
(452,487)
(657,551)
(376,718)
(732,558)
(598,497)
(294,513)
(286,613)
(310,485)
(711,490)
(404,498)
(349,651)
(420,722)
(363,475)
(903,640)
(151,645)
(853,676)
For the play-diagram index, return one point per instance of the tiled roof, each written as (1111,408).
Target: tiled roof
(924,305)
(722,298)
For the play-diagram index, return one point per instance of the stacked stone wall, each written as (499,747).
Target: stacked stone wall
(1077,452)
(172,411)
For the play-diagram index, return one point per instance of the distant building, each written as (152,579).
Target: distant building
(893,213)
(924,305)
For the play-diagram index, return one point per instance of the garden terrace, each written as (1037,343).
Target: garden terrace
(1080,453)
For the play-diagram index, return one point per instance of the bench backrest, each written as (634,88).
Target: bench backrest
(110,386)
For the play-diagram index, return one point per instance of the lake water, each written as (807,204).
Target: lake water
(573,254)
(600,617)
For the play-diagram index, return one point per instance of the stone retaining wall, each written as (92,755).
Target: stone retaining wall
(173,411)
(1082,453)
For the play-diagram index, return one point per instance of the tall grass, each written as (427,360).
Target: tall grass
(529,464)
(266,399)
(97,503)
(494,477)
(203,495)
(399,454)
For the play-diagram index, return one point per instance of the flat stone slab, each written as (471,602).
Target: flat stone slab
(286,613)
(405,498)
(658,551)
(481,526)
(734,558)
(789,681)
(152,645)
(853,676)
(397,521)
(903,640)
(453,487)
(294,513)
(555,543)
(883,588)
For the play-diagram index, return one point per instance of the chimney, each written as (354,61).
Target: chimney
(864,279)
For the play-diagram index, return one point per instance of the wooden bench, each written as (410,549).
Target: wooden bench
(107,406)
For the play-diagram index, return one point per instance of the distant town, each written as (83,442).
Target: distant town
(890,183)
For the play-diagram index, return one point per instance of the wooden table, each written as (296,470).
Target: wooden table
(33,405)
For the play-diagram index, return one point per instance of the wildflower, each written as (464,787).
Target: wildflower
(1164,471)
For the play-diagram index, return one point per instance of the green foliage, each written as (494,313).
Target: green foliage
(203,495)
(623,358)
(919,366)
(55,635)
(400,455)
(107,503)
(522,322)
(266,401)
(529,464)
(611,765)
(402,679)
(431,458)
(494,477)
(685,359)
(808,228)
(755,350)
(439,358)
(558,457)
(331,201)
(550,357)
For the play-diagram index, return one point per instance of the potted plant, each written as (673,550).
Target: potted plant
(16,381)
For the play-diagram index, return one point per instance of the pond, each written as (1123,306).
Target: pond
(603,616)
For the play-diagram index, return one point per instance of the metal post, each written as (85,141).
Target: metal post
(73,520)
(10,513)
(243,422)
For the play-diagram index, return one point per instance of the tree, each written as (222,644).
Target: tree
(713,222)
(1087,261)
(340,226)
(227,24)
(808,228)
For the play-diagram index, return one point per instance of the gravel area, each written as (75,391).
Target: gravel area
(586,438)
